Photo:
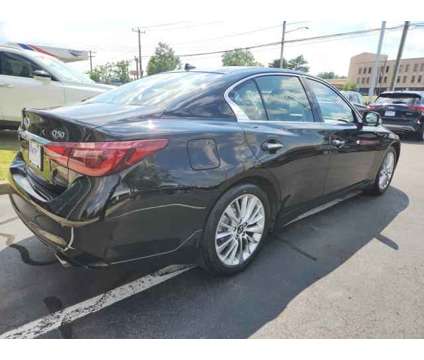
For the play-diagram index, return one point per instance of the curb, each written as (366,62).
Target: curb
(4,188)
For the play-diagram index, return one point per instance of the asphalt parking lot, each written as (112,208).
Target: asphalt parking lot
(353,270)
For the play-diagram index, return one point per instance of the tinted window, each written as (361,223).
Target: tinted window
(332,106)
(397,99)
(284,98)
(158,91)
(16,65)
(247,97)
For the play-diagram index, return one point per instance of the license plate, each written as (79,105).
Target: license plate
(35,154)
(390,113)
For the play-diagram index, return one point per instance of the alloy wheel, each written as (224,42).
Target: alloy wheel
(386,171)
(240,230)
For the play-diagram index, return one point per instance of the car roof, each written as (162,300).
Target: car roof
(243,70)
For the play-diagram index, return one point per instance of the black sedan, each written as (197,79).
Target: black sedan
(200,163)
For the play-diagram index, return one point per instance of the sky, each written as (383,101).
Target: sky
(199,26)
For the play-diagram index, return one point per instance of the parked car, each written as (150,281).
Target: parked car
(194,164)
(33,79)
(356,99)
(402,112)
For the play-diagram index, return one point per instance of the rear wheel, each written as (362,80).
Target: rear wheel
(419,135)
(385,173)
(236,228)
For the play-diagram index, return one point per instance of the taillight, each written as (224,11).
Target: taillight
(416,108)
(102,158)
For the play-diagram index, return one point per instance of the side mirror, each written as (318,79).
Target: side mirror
(41,74)
(371,118)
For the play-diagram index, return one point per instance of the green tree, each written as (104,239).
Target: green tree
(164,59)
(121,71)
(298,63)
(350,86)
(276,64)
(239,57)
(111,73)
(327,75)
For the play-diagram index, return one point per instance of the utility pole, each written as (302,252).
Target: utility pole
(283,35)
(136,67)
(374,73)
(90,56)
(140,63)
(399,55)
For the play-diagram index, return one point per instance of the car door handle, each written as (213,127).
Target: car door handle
(272,147)
(338,143)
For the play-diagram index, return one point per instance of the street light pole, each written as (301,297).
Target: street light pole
(399,55)
(374,74)
(283,36)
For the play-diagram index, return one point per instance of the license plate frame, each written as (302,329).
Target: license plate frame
(390,113)
(35,155)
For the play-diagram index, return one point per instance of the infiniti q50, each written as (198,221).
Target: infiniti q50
(204,161)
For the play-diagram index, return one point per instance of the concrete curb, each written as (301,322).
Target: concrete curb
(4,188)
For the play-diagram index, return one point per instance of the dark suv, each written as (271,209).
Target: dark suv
(402,111)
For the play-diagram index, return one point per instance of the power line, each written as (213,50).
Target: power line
(320,37)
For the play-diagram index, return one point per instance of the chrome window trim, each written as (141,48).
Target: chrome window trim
(241,115)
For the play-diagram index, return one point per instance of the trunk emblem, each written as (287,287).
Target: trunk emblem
(58,134)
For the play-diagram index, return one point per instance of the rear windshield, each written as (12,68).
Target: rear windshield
(398,99)
(158,90)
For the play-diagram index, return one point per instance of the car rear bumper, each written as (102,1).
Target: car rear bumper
(124,231)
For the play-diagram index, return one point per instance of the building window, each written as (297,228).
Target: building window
(360,71)
(405,78)
(422,67)
(415,67)
(406,67)
(400,68)
(388,68)
(368,80)
(419,78)
(413,79)
(369,70)
(385,79)
(398,79)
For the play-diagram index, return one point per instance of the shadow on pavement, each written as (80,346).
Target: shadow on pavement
(195,304)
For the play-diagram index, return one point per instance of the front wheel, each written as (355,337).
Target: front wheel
(235,230)
(385,173)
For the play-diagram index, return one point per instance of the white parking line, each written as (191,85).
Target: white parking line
(90,306)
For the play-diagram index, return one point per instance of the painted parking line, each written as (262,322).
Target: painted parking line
(90,306)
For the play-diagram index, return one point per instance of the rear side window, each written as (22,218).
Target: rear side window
(246,96)
(16,65)
(332,106)
(284,98)
(400,99)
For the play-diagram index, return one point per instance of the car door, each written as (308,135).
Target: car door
(281,130)
(18,88)
(353,147)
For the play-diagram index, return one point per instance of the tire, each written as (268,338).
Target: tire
(379,186)
(419,135)
(224,235)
